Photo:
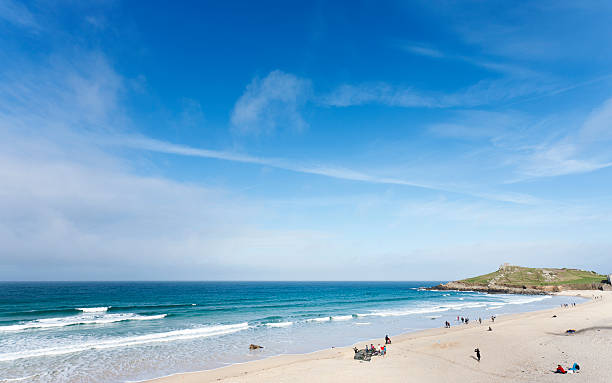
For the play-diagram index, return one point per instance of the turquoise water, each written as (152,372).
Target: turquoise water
(129,331)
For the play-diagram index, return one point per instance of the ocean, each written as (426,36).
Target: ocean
(131,331)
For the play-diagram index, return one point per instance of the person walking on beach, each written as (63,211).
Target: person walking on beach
(477,351)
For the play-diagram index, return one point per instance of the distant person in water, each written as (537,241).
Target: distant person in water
(387,339)
(477,351)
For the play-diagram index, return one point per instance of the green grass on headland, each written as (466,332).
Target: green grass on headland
(517,276)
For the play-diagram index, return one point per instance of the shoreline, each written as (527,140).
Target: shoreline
(337,364)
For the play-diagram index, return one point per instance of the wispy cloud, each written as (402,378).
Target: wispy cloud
(499,128)
(516,82)
(74,210)
(144,143)
(580,151)
(17,14)
(423,50)
(377,93)
(597,128)
(536,31)
(525,147)
(270,103)
(488,63)
(557,160)
(484,92)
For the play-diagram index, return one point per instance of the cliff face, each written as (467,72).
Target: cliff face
(510,279)
(494,289)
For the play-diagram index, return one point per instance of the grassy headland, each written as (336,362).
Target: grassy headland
(530,280)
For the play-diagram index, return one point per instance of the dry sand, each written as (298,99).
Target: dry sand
(521,348)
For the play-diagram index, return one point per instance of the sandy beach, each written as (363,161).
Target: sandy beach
(522,347)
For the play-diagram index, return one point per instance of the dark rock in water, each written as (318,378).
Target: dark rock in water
(254,347)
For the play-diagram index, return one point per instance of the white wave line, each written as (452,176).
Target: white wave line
(129,341)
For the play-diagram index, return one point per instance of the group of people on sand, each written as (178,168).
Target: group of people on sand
(566,305)
(466,321)
(371,350)
(571,370)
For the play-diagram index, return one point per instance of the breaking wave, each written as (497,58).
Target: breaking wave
(279,324)
(423,310)
(48,323)
(323,319)
(94,309)
(168,336)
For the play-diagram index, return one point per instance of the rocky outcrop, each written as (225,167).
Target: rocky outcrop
(494,289)
(254,347)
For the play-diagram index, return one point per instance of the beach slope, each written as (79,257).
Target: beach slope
(521,348)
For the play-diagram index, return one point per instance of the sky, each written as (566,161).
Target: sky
(272,140)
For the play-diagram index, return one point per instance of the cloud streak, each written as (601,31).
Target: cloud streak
(582,150)
(484,92)
(144,143)
(423,50)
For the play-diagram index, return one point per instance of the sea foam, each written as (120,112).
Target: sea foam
(342,317)
(323,319)
(48,323)
(279,324)
(94,309)
(169,336)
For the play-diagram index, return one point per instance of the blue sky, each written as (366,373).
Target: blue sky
(318,141)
